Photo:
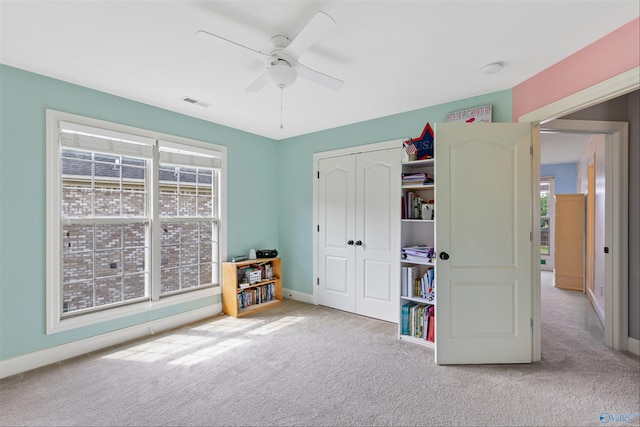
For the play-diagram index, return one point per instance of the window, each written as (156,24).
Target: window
(547,212)
(133,220)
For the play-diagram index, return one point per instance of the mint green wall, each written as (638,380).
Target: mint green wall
(295,174)
(283,192)
(24,97)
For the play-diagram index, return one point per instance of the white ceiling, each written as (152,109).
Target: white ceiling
(561,147)
(394,56)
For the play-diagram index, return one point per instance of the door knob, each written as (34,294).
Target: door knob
(358,242)
(349,242)
(444,256)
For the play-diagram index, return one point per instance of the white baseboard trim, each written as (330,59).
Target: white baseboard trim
(297,295)
(633,346)
(59,353)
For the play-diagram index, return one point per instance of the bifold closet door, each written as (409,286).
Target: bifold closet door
(359,224)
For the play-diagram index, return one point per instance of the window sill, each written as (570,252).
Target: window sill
(57,325)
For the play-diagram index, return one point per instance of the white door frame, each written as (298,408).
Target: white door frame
(316,194)
(617,333)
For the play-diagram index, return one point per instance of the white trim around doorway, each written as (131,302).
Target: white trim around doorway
(611,88)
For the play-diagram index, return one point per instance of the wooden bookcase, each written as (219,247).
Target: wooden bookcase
(263,294)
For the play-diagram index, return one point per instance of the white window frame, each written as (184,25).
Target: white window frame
(55,322)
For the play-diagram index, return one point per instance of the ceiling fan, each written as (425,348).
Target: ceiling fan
(283,66)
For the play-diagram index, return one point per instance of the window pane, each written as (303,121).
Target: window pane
(205,205)
(544,236)
(108,290)
(76,238)
(109,263)
(189,276)
(206,272)
(107,201)
(76,200)
(107,166)
(134,260)
(168,202)
(205,252)
(134,286)
(187,205)
(134,235)
(188,254)
(77,266)
(133,202)
(108,236)
(169,280)
(77,296)
(75,166)
(205,176)
(170,256)
(189,233)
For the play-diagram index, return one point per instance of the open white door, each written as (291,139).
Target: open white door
(483,239)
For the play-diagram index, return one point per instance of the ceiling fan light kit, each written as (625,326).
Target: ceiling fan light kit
(281,73)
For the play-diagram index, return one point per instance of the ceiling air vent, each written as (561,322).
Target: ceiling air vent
(196,102)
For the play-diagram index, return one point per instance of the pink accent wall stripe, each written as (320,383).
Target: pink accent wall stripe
(615,53)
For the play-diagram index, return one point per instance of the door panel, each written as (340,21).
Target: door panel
(484,224)
(475,241)
(469,317)
(378,228)
(377,276)
(336,259)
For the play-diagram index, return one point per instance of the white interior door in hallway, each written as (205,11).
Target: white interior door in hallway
(358,210)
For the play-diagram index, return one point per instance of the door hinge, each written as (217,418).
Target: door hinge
(531,236)
(606,249)
(318,228)
(318,174)
(318,281)
(531,322)
(531,150)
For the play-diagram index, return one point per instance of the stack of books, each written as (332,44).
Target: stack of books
(421,254)
(422,178)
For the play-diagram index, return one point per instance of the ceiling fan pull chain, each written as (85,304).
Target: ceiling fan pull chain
(281,91)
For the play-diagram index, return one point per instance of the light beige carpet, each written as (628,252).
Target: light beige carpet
(300,364)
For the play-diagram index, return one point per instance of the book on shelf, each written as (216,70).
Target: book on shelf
(424,178)
(420,254)
(253,273)
(418,320)
(432,324)
(258,295)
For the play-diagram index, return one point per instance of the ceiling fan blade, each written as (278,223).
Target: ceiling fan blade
(310,34)
(318,77)
(258,83)
(205,35)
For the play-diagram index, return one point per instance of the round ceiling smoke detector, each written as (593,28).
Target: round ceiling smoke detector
(492,68)
(281,73)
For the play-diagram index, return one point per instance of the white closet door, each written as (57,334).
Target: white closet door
(378,196)
(336,217)
(359,233)
(483,225)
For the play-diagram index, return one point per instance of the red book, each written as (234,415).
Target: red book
(432,325)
